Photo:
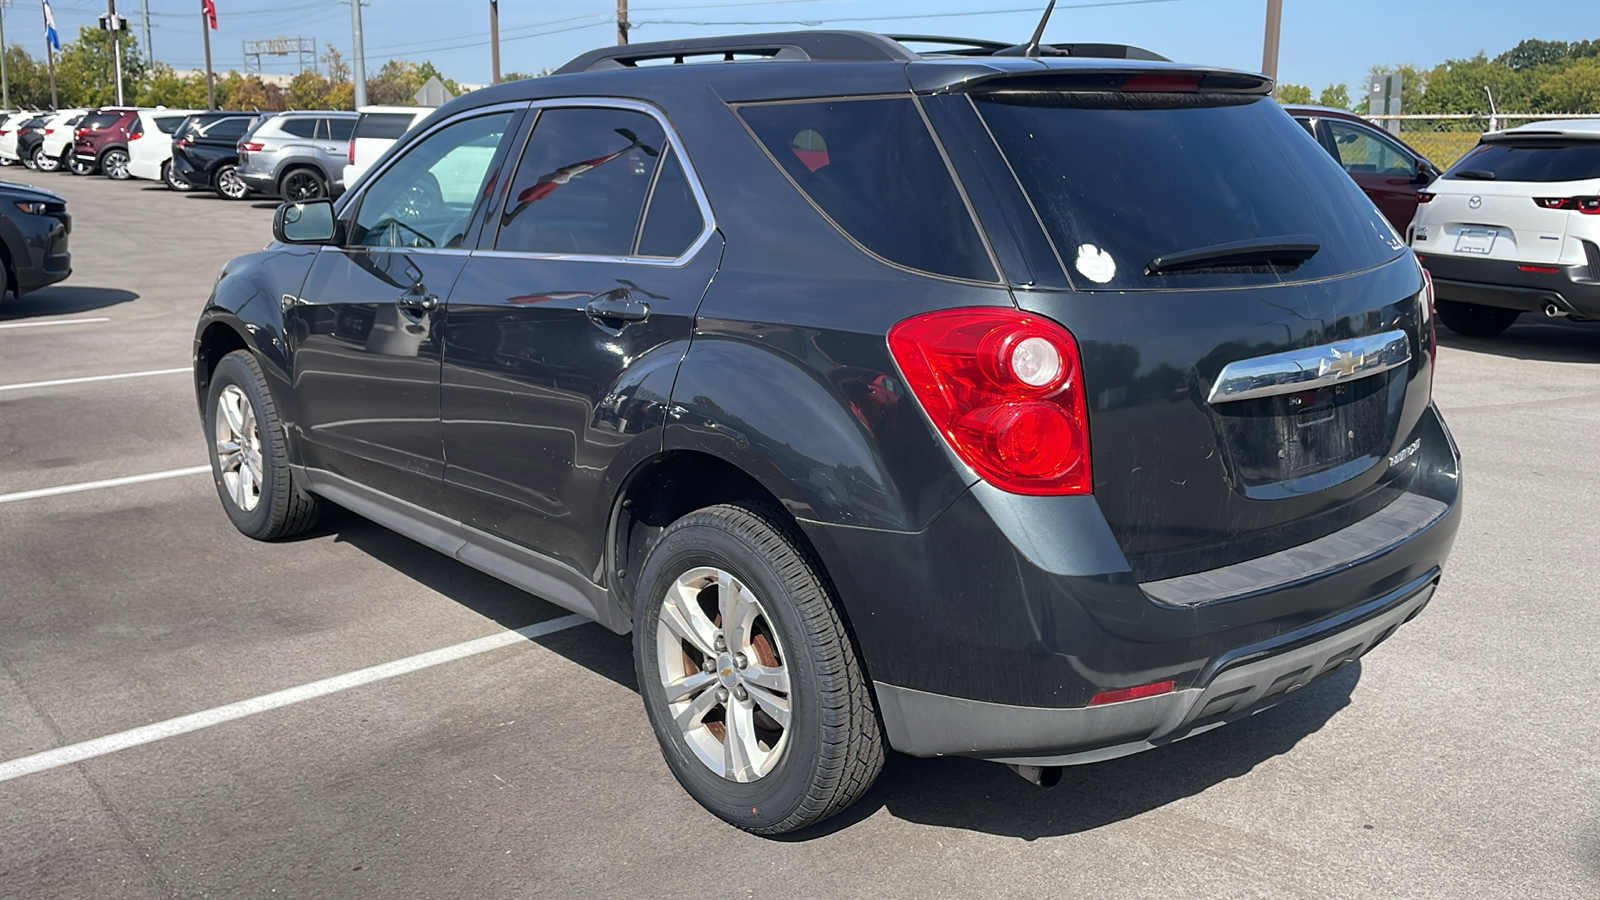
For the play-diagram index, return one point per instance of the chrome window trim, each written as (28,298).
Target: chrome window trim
(708,228)
(1311,368)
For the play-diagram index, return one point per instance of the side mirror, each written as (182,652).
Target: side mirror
(305,222)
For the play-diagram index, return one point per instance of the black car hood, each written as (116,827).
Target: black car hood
(28,192)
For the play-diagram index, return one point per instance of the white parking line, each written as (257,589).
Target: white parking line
(55,322)
(95,485)
(62,756)
(28,385)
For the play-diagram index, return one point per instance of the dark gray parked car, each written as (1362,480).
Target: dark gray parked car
(296,155)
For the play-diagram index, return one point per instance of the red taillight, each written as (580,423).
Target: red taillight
(1547,269)
(80,132)
(251,147)
(1425,197)
(1133,693)
(1163,82)
(1005,389)
(352,152)
(1589,206)
(136,134)
(49,131)
(183,142)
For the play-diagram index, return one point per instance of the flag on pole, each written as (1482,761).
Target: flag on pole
(50,36)
(210,9)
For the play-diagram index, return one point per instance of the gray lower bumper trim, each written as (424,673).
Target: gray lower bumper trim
(924,724)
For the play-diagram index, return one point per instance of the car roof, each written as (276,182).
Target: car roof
(321,113)
(407,110)
(1569,128)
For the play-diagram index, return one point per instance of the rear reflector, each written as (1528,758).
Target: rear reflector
(1540,268)
(1133,693)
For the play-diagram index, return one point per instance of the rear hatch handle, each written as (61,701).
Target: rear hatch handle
(1294,371)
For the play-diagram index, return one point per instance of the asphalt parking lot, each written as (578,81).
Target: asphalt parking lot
(1459,759)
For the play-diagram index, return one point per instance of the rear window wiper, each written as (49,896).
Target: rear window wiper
(1287,250)
(1475,174)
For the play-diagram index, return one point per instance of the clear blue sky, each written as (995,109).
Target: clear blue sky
(1324,41)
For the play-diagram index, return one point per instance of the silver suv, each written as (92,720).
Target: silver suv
(296,155)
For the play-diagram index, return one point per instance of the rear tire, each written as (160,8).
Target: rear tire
(114,163)
(302,184)
(804,741)
(173,179)
(43,162)
(249,461)
(29,162)
(229,185)
(78,167)
(1472,320)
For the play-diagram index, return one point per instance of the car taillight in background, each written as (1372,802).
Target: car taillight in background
(250,147)
(183,142)
(136,132)
(1425,197)
(352,151)
(1433,333)
(1589,206)
(1005,389)
(4,132)
(49,131)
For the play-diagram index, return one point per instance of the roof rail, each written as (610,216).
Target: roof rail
(832,46)
(961,46)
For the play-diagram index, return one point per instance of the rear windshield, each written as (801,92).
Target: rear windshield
(1530,160)
(99,120)
(1119,181)
(383,125)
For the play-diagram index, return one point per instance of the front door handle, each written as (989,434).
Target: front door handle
(418,300)
(614,308)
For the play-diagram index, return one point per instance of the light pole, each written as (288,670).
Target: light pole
(360,73)
(116,44)
(1269,48)
(622,21)
(5,80)
(494,40)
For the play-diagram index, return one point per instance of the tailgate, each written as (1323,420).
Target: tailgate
(1494,220)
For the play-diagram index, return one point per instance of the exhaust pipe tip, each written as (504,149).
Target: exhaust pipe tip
(1553,311)
(1043,776)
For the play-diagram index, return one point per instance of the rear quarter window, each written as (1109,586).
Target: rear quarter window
(168,124)
(298,126)
(1536,160)
(383,125)
(1119,180)
(339,129)
(873,168)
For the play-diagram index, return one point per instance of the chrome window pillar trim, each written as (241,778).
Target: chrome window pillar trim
(1311,368)
(708,220)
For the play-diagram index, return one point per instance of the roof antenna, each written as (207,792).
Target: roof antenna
(1031,48)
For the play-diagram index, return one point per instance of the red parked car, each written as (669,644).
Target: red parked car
(1390,172)
(100,143)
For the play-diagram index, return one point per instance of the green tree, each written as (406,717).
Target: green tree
(427,70)
(1458,85)
(85,71)
(1574,88)
(1336,96)
(165,87)
(393,84)
(308,90)
(1413,84)
(28,78)
(1297,94)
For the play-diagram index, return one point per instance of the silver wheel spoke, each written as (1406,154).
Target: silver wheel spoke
(738,612)
(775,706)
(739,741)
(682,615)
(688,686)
(243,488)
(689,717)
(771,679)
(230,403)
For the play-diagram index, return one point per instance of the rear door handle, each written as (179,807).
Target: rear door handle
(612,308)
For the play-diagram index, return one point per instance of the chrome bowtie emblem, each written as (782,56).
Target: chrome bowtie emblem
(1342,364)
(1475,202)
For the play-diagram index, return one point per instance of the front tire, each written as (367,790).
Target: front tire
(747,673)
(229,185)
(249,461)
(1472,320)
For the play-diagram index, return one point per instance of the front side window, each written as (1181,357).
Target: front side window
(1362,152)
(581,186)
(873,168)
(426,198)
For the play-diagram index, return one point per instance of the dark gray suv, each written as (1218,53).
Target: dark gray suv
(883,407)
(296,155)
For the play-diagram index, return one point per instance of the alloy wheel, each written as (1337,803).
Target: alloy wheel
(115,164)
(45,162)
(239,448)
(722,665)
(301,185)
(173,179)
(230,185)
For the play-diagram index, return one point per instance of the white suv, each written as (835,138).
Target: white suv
(376,131)
(1514,227)
(150,143)
(58,134)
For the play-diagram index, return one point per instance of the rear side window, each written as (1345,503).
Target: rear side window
(223,129)
(337,129)
(1530,160)
(672,221)
(581,185)
(168,124)
(383,125)
(872,167)
(1120,180)
(299,127)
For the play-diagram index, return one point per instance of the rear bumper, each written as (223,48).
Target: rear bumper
(1501,283)
(988,633)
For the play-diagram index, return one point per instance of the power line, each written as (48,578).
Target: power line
(949,15)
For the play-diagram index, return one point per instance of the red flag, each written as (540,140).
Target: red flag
(209,7)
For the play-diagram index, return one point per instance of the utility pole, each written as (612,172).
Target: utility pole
(207,12)
(144,20)
(359,76)
(1269,49)
(5,81)
(116,44)
(494,40)
(622,22)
